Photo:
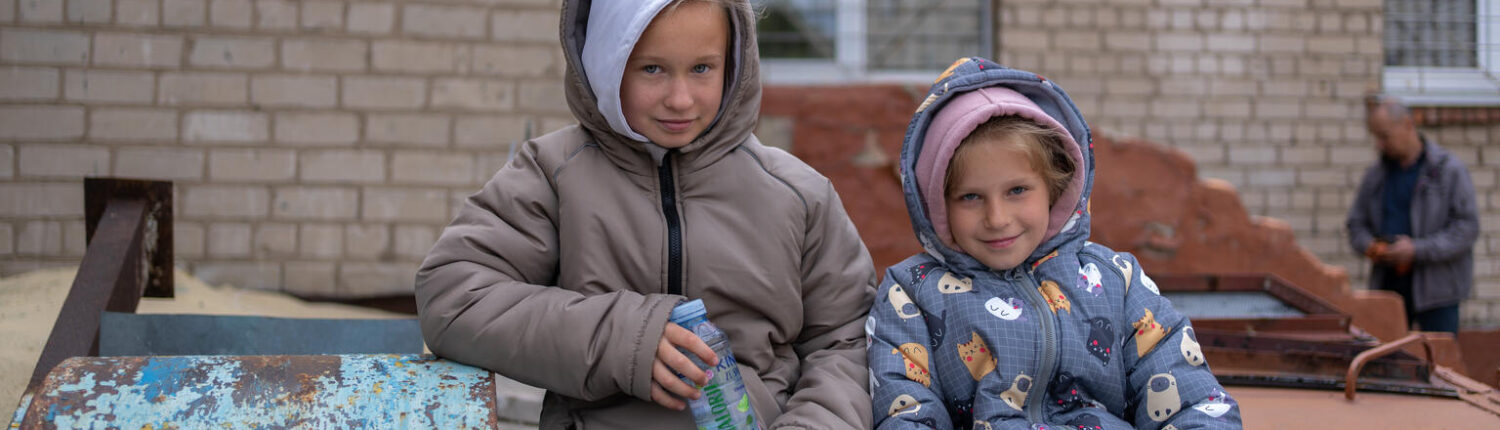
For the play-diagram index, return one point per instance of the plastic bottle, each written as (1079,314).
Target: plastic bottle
(724,403)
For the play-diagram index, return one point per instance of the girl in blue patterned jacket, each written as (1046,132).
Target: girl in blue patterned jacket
(1012,319)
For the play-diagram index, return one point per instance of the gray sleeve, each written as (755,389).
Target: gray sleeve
(1461,226)
(837,289)
(485,297)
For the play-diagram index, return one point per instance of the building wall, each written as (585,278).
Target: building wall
(319,146)
(1266,94)
(315,146)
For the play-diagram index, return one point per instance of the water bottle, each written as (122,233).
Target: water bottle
(724,403)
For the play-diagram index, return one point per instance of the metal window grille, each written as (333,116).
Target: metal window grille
(797,28)
(897,34)
(1432,33)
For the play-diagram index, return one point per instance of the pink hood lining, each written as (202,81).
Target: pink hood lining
(955,121)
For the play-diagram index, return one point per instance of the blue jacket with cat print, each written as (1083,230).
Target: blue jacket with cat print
(1077,336)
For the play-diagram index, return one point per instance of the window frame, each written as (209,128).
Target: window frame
(850,64)
(1454,86)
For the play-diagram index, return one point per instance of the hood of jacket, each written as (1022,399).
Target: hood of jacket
(970,92)
(595,65)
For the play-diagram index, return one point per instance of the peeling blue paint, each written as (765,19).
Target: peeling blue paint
(264,391)
(20,414)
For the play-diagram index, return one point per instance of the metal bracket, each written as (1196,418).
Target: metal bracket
(1351,379)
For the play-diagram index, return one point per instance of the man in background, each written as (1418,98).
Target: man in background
(1414,217)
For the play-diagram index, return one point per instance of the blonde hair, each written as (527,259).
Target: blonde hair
(1042,145)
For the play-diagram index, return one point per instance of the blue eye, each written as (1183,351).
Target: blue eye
(968,197)
(701,68)
(651,68)
(1018,190)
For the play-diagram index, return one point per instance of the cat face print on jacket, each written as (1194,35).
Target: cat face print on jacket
(1065,392)
(904,404)
(1015,397)
(1101,338)
(977,357)
(1008,309)
(1147,334)
(1090,280)
(950,284)
(961,411)
(919,273)
(1162,400)
(1215,406)
(1086,422)
(902,303)
(915,356)
(1055,298)
(1191,350)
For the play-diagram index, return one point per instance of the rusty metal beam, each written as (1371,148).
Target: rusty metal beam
(129,248)
(1310,323)
(309,391)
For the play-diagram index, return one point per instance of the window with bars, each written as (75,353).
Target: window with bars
(1443,52)
(863,40)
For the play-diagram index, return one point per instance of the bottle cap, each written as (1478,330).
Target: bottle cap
(687,311)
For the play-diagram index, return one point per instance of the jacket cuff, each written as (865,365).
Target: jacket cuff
(659,309)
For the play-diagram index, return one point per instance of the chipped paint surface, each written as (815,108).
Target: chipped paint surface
(20,414)
(315,391)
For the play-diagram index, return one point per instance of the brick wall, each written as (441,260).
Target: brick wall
(1266,94)
(317,147)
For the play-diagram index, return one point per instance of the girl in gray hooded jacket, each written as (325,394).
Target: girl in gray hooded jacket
(562,271)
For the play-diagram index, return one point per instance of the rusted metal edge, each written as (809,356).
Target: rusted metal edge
(1472,391)
(1300,298)
(310,391)
(1327,323)
(1269,283)
(1317,382)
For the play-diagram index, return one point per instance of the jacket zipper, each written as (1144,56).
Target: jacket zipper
(1036,400)
(674,225)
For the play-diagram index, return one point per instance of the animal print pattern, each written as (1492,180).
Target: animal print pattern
(977,357)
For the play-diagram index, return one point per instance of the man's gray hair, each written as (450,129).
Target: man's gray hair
(1393,107)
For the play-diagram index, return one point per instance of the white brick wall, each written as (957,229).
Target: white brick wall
(294,91)
(176,164)
(326,142)
(133,124)
(28,83)
(34,46)
(109,87)
(136,50)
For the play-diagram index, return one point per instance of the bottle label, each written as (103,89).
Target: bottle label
(725,404)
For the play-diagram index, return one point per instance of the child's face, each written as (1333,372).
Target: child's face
(997,204)
(674,79)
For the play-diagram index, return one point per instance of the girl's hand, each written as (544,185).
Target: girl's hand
(665,383)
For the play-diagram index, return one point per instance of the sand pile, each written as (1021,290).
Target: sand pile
(29,304)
